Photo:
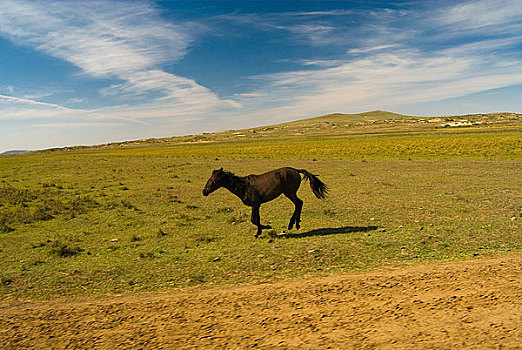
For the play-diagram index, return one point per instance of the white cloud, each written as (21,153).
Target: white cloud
(76,125)
(315,34)
(8,88)
(173,87)
(304,27)
(101,38)
(24,101)
(322,13)
(124,40)
(494,16)
(404,59)
(372,48)
(253,94)
(385,80)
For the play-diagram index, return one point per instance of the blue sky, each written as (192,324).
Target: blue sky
(90,72)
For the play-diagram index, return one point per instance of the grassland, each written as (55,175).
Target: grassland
(130,216)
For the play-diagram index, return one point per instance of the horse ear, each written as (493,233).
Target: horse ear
(221,169)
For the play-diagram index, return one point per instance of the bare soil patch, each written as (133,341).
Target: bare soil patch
(469,304)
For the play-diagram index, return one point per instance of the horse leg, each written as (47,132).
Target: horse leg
(256,220)
(296,216)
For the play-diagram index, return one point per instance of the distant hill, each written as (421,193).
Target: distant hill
(376,115)
(14,152)
(335,125)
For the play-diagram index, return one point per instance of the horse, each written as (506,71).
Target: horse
(254,190)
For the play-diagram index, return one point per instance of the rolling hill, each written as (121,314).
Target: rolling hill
(366,124)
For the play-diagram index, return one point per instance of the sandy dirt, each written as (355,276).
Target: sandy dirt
(471,305)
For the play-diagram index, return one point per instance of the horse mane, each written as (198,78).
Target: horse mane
(229,173)
(238,182)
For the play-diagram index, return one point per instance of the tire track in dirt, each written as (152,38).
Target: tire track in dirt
(469,304)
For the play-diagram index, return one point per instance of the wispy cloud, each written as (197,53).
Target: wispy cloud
(125,40)
(7,88)
(372,48)
(24,101)
(396,72)
(101,38)
(176,88)
(495,17)
(317,34)
(312,28)
(76,125)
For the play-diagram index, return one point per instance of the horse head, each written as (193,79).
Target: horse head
(214,182)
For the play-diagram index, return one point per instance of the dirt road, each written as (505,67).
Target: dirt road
(472,304)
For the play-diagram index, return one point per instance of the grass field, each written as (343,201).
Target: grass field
(131,216)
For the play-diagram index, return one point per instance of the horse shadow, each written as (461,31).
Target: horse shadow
(329,231)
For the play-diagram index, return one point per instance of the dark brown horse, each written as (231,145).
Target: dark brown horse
(255,190)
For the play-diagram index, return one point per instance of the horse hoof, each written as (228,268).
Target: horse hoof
(297,226)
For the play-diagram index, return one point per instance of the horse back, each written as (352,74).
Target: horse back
(286,174)
(272,184)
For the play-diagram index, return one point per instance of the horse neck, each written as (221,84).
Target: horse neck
(236,185)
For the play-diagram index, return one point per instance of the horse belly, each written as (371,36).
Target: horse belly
(269,188)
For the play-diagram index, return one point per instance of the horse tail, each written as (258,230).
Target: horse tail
(318,187)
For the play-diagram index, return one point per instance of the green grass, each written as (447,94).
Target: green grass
(116,219)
